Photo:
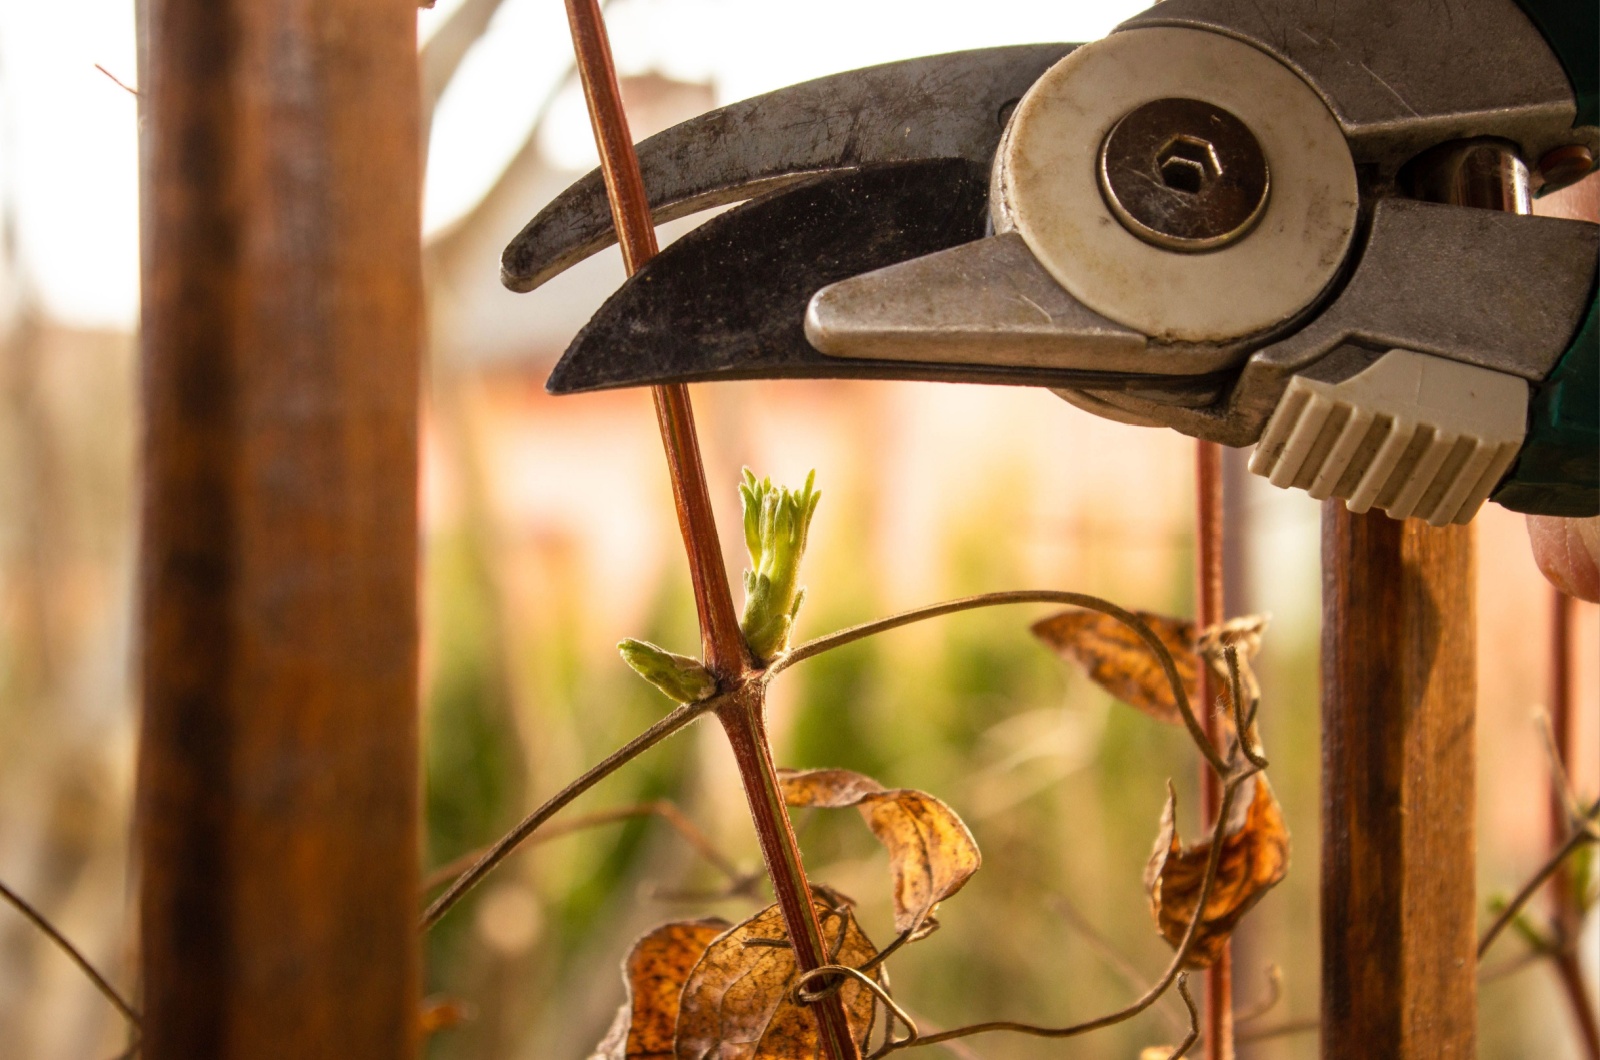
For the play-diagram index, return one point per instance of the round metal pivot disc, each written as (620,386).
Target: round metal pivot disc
(1046,185)
(1184,174)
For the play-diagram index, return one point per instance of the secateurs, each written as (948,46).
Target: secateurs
(1297,225)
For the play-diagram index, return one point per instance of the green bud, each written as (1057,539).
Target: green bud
(679,676)
(776,524)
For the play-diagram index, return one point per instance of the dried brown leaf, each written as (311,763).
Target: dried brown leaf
(1118,661)
(654,972)
(738,1003)
(443,1014)
(931,853)
(1255,856)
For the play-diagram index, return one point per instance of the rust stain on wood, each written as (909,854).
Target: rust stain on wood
(282,291)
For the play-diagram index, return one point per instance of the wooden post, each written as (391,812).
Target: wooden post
(1399,766)
(278,609)
(1399,975)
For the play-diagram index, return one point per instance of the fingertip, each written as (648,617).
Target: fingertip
(1568,553)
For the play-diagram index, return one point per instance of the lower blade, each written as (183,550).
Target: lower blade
(728,300)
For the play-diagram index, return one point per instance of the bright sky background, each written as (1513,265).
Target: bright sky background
(68,141)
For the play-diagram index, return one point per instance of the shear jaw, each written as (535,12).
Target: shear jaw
(1221,205)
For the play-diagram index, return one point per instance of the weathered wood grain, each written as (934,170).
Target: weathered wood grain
(1399,692)
(278,610)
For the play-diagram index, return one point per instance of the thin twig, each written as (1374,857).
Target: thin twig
(1174,967)
(812,648)
(1312,1023)
(1509,968)
(808,997)
(1583,833)
(528,825)
(1268,1003)
(956,1047)
(1194,1020)
(1567,905)
(38,920)
(1242,724)
(1279,1030)
(119,82)
(665,809)
(1561,789)
(1109,953)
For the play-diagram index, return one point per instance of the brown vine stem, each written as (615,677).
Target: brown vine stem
(1113,957)
(812,648)
(665,809)
(51,932)
(1209,612)
(1566,919)
(503,847)
(1174,967)
(724,649)
(1582,833)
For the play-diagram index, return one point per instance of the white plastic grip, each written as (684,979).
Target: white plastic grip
(1411,434)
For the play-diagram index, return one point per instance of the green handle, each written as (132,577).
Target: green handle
(1558,470)
(1572,29)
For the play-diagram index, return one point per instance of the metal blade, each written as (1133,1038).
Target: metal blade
(728,300)
(951,106)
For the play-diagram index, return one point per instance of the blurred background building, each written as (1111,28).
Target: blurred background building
(549,536)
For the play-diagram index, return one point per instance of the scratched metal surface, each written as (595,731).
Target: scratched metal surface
(1403,77)
(946,106)
(728,300)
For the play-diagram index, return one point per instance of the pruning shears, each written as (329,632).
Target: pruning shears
(1297,225)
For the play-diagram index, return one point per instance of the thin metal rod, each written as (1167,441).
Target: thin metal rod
(1210,611)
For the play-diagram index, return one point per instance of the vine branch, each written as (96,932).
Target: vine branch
(51,932)
(509,842)
(812,648)
(1583,833)
(1174,967)
(665,809)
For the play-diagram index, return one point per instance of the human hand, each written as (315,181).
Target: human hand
(1568,550)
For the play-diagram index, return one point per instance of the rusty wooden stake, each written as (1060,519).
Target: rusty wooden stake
(278,833)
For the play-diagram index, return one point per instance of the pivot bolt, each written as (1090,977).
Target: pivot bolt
(1184,175)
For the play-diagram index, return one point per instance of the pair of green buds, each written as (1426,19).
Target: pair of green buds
(776,523)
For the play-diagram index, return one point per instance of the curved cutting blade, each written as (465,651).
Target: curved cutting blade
(951,106)
(728,300)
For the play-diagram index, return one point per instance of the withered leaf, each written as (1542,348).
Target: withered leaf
(931,853)
(1255,856)
(443,1014)
(738,1003)
(654,972)
(1118,661)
